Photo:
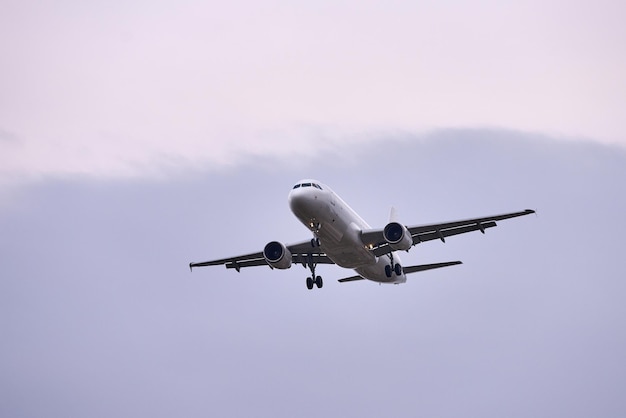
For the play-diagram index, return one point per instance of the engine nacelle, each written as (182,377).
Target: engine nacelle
(277,255)
(397,236)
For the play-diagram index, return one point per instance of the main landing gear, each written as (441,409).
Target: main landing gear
(389,270)
(313,280)
(317,282)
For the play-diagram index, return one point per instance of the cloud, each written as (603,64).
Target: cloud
(112,89)
(7,137)
(100,315)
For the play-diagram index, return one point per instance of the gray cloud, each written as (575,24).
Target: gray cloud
(100,315)
(8,137)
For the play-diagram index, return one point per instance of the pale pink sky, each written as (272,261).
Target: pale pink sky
(119,88)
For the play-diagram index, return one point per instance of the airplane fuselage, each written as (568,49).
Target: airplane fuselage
(338,228)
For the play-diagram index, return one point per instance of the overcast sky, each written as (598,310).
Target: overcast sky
(128,87)
(100,315)
(136,137)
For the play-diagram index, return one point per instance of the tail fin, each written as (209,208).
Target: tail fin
(393,216)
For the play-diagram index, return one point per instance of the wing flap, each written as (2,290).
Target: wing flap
(476,221)
(442,233)
(246,257)
(438,234)
(246,263)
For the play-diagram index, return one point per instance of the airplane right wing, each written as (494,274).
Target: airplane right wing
(374,238)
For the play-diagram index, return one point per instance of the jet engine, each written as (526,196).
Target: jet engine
(277,255)
(397,236)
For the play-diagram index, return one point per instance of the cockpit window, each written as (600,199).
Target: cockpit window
(317,186)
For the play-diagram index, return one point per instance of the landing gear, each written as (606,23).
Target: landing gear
(313,280)
(398,269)
(317,282)
(388,270)
(393,268)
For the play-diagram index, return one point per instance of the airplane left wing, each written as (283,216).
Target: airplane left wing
(375,239)
(301,253)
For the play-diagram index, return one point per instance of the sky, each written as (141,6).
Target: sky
(132,88)
(136,137)
(100,315)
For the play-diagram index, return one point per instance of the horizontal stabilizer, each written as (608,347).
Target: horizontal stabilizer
(408,270)
(350,279)
(423,267)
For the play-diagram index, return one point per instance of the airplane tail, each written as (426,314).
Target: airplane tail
(423,267)
(409,270)
(393,216)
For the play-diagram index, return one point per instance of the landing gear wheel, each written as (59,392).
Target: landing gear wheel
(319,282)
(398,269)
(313,280)
(388,270)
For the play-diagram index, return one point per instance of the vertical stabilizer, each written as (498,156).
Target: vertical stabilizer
(393,216)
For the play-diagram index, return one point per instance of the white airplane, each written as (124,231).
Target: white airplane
(342,237)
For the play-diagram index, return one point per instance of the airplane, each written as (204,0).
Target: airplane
(342,237)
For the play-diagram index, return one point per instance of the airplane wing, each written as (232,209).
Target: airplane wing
(374,237)
(302,253)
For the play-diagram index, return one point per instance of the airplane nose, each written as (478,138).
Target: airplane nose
(303,201)
(297,201)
